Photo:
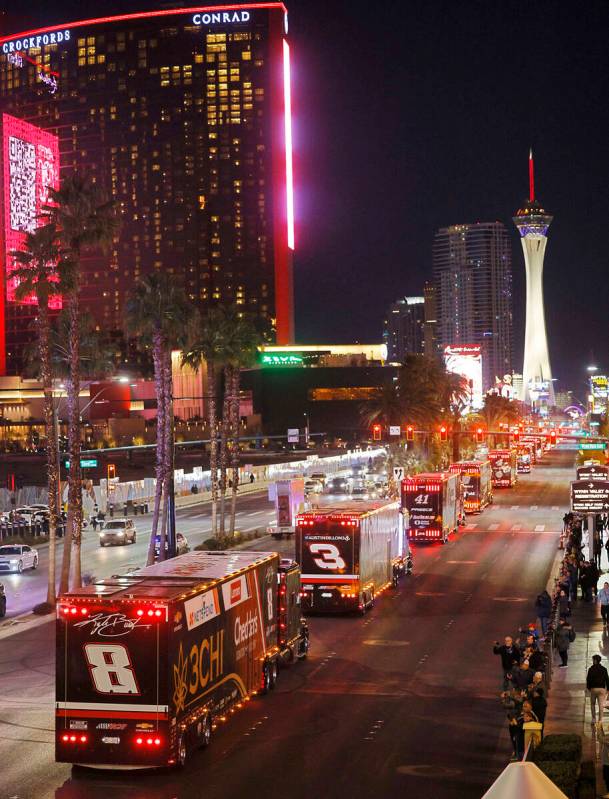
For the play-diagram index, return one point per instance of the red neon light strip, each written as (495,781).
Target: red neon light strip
(142,14)
(36,64)
(108,714)
(289,176)
(531,176)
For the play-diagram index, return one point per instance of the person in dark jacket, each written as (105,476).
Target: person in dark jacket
(536,659)
(594,574)
(564,606)
(597,682)
(565,635)
(522,676)
(510,654)
(543,609)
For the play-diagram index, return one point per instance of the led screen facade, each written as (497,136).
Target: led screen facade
(466,360)
(29,168)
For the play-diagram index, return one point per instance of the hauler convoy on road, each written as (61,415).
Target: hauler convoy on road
(149,663)
(349,553)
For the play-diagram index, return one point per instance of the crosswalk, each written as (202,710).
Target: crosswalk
(541,508)
(508,527)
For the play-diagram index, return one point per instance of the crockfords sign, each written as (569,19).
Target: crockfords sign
(218,17)
(30,42)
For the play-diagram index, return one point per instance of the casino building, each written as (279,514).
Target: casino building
(184,117)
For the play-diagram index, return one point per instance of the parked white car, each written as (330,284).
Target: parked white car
(17,558)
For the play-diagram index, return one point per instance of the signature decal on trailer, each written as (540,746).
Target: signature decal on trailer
(111,625)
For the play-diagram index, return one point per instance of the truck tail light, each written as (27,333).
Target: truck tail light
(148,741)
(71,738)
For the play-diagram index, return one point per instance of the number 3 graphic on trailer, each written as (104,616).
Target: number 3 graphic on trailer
(329,556)
(111,669)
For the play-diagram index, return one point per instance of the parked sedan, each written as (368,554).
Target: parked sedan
(181,545)
(17,558)
(118,531)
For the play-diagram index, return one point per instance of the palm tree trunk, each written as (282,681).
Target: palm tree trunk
(51,439)
(74,446)
(213,443)
(159,385)
(167,447)
(224,431)
(236,375)
(456,439)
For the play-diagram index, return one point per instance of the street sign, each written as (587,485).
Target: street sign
(394,430)
(85,463)
(398,473)
(593,472)
(293,435)
(590,496)
(593,445)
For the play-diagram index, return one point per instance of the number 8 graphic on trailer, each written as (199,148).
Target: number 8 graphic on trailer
(111,669)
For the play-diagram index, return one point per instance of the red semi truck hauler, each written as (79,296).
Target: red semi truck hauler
(476,484)
(432,501)
(149,663)
(349,554)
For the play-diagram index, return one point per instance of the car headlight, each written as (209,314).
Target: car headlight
(102,535)
(119,534)
(13,562)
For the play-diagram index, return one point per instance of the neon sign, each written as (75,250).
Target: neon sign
(30,168)
(289,175)
(289,359)
(220,17)
(31,42)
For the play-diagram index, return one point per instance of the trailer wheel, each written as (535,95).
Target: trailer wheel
(273,674)
(266,678)
(204,732)
(182,750)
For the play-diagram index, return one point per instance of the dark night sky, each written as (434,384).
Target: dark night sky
(414,115)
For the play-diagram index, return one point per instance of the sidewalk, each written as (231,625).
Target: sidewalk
(568,700)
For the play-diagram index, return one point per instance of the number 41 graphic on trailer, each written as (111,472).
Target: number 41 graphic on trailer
(111,669)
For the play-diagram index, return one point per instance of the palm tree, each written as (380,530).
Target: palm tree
(84,221)
(207,346)
(160,315)
(38,276)
(498,410)
(455,396)
(242,349)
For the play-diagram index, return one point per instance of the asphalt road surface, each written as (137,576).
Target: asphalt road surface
(23,591)
(402,702)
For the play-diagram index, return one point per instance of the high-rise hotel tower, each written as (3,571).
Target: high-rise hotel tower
(183,117)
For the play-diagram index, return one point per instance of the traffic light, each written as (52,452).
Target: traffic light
(10,481)
(376,432)
(516,435)
(111,471)
(443,433)
(479,435)
(552,436)
(410,433)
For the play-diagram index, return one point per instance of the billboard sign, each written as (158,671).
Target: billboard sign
(590,496)
(466,360)
(599,386)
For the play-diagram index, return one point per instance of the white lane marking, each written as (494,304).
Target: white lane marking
(515,507)
(509,599)
(534,507)
(516,528)
(428,593)
(493,527)
(555,507)
(470,527)
(384,642)
(540,528)
(462,561)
